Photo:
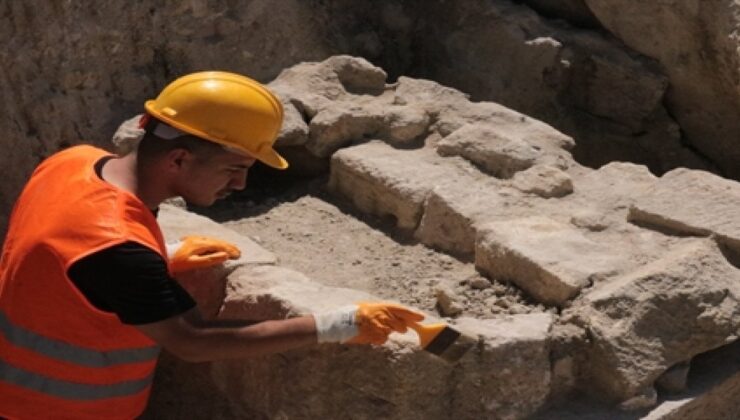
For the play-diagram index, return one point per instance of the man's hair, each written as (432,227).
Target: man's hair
(152,146)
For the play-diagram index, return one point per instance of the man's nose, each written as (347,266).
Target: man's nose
(238,181)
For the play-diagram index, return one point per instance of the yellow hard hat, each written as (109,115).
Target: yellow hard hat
(226,108)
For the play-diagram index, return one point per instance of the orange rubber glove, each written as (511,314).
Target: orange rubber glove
(193,252)
(364,323)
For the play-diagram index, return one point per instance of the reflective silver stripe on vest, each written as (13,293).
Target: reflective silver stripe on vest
(70,390)
(60,350)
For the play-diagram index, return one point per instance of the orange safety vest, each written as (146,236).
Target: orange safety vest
(60,357)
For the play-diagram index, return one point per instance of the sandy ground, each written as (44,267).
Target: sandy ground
(321,236)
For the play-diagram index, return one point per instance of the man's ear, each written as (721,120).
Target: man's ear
(178,158)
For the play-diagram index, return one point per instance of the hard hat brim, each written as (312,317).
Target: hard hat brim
(271,158)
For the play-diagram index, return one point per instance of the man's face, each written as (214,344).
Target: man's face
(203,180)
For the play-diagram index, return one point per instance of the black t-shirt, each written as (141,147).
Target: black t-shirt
(131,281)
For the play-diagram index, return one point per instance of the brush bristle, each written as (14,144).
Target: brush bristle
(450,345)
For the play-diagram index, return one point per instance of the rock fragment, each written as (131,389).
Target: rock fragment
(544,180)
(448,301)
(590,220)
(479,282)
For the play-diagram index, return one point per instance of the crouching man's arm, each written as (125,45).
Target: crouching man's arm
(364,323)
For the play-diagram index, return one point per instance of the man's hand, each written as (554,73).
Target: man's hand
(193,252)
(364,323)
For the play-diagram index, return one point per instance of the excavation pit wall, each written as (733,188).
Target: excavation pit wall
(626,274)
(651,82)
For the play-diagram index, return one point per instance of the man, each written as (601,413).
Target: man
(86,288)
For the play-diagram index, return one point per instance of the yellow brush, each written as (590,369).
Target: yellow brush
(443,341)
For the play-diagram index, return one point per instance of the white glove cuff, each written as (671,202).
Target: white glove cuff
(337,326)
(172,248)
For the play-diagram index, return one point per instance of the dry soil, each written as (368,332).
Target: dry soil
(323,237)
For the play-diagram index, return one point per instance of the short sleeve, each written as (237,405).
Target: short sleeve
(131,281)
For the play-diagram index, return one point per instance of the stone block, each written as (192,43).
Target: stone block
(512,366)
(615,184)
(513,123)
(403,125)
(603,196)
(551,261)
(264,292)
(494,151)
(176,222)
(357,75)
(340,124)
(207,286)
(514,134)
(428,93)
(507,375)
(452,213)
(381,180)
(336,78)
(692,202)
(661,314)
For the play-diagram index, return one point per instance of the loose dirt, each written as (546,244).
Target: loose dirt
(323,237)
